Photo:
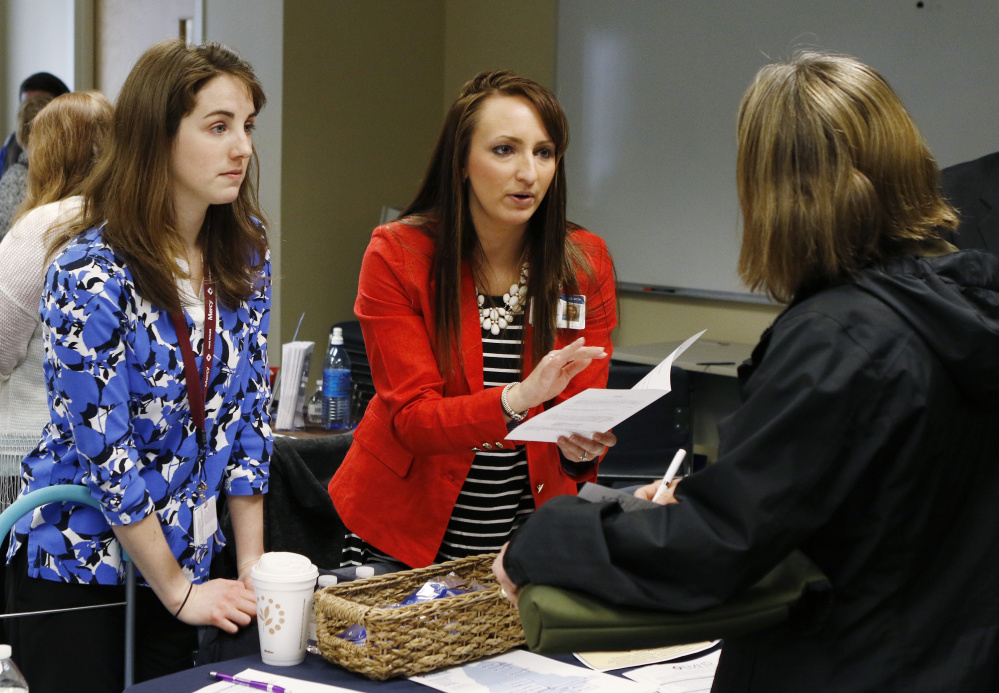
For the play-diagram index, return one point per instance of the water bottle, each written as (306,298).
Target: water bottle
(321,582)
(11,680)
(314,412)
(336,384)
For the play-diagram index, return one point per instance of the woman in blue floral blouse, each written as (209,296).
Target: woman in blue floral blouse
(155,319)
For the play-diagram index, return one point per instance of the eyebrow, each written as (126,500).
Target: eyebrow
(520,141)
(227,114)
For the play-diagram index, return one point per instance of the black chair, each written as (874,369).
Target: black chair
(647,441)
(362,385)
(298,513)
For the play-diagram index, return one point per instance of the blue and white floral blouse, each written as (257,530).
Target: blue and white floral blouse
(121,423)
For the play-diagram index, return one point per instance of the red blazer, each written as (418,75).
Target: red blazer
(398,485)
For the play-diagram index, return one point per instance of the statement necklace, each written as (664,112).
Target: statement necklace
(496,318)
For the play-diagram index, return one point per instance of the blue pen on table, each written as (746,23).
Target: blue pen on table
(671,471)
(259,685)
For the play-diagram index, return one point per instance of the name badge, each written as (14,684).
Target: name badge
(206,521)
(571,312)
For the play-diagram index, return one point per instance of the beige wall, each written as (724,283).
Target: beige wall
(362,94)
(516,35)
(388,70)
(644,319)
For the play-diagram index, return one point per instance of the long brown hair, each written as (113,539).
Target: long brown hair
(441,207)
(131,187)
(833,176)
(67,136)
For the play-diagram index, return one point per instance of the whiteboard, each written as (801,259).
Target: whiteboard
(651,89)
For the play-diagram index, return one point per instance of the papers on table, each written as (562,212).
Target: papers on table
(693,676)
(293,685)
(596,410)
(608,661)
(518,671)
(296,357)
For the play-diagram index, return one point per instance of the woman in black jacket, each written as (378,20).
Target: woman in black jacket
(867,437)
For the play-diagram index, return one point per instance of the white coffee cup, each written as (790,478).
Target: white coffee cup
(283,583)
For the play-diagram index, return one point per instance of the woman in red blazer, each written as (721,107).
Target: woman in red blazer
(482,306)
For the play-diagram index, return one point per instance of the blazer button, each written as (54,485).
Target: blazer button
(499,445)
(476,450)
(487,446)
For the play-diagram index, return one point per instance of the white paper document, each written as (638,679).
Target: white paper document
(692,676)
(595,410)
(519,671)
(609,661)
(292,685)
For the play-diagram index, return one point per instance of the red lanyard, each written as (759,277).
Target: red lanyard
(197,388)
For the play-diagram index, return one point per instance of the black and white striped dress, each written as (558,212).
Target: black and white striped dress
(496,496)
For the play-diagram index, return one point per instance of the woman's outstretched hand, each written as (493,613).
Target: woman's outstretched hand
(552,374)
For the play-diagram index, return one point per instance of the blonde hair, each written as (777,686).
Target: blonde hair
(833,176)
(67,136)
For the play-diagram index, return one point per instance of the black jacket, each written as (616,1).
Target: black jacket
(869,439)
(973,188)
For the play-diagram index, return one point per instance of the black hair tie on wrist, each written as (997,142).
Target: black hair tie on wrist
(190,586)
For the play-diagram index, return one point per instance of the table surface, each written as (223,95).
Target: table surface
(314,668)
(704,356)
(307,431)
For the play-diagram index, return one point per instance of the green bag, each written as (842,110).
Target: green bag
(558,620)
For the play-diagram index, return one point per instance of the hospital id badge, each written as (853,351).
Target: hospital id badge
(571,312)
(206,521)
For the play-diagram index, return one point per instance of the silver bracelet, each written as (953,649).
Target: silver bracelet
(506,405)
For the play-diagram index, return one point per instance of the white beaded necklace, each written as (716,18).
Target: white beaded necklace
(496,318)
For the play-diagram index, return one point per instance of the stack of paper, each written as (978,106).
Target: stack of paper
(296,358)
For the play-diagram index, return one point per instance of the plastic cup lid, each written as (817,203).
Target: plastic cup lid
(283,565)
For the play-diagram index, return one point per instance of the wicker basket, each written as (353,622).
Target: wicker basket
(420,638)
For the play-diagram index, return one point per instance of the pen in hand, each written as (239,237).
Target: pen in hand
(259,685)
(671,471)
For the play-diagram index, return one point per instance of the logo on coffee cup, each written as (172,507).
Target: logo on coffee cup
(270,617)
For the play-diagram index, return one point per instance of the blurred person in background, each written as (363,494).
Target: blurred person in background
(14,183)
(38,83)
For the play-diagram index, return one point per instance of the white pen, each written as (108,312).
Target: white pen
(671,471)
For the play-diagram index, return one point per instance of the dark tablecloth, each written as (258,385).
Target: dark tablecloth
(314,668)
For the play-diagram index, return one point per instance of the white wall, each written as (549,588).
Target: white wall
(124,29)
(254,28)
(40,36)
